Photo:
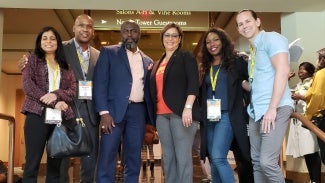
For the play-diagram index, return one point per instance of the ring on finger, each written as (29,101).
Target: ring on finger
(103,126)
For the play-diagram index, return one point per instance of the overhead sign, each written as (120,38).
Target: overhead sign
(149,19)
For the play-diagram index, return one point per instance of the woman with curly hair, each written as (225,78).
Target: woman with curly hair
(223,101)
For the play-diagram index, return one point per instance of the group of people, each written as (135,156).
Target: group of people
(173,94)
(309,101)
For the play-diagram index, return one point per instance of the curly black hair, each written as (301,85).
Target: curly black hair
(227,52)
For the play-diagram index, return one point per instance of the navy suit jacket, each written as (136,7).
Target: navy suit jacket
(113,82)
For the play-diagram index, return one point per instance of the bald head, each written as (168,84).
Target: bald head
(83,17)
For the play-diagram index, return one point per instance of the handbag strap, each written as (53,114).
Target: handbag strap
(79,119)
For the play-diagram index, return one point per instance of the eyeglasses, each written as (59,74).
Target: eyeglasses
(174,36)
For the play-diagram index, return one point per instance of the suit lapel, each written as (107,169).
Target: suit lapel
(154,70)
(170,63)
(73,59)
(92,63)
(146,63)
(232,77)
(125,60)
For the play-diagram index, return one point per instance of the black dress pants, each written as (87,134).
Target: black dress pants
(314,166)
(36,135)
(87,163)
(244,167)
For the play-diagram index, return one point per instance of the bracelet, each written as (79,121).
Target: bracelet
(188,106)
(103,112)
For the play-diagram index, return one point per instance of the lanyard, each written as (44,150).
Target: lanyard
(55,74)
(214,79)
(252,55)
(83,64)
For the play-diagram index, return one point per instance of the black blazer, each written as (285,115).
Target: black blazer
(237,102)
(70,51)
(181,78)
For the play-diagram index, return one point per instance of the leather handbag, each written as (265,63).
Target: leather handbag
(151,135)
(69,140)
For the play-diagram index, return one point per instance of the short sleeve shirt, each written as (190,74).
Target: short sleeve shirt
(267,44)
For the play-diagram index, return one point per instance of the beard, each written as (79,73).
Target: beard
(130,45)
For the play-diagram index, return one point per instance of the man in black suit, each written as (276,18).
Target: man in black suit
(82,59)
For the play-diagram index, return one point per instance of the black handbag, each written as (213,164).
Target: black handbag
(69,141)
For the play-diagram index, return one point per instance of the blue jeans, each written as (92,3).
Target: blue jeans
(219,137)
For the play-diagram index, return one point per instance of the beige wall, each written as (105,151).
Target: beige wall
(9,85)
(310,27)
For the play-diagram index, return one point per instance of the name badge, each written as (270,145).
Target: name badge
(85,89)
(214,109)
(53,116)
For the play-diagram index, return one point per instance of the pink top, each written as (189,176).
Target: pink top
(137,71)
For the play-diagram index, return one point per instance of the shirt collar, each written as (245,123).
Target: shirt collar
(78,46)
(136,52)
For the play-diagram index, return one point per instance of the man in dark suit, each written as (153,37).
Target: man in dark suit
(122,98)
(82,59)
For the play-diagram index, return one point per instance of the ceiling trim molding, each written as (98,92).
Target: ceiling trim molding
(179,5)
(67,20)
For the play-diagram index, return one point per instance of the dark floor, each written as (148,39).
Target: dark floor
(147,177)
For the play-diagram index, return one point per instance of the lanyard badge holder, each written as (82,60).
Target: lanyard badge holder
(252,56)
(84,86)
(85,89)
(214,110)
(214,105)
(53,116)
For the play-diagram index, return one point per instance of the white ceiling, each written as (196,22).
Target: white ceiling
(187,5)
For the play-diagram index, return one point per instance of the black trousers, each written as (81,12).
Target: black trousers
(314,166)
(87,163)
(244,167)
(36,135)
(320,142)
